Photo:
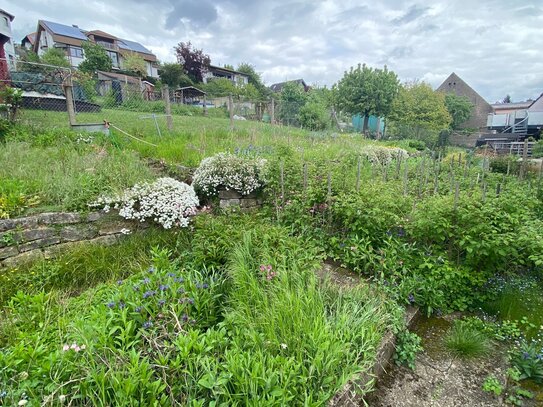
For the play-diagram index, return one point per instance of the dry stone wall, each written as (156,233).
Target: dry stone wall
(45,235)
(233,199)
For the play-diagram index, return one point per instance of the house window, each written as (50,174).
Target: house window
(76,52)
(114,58)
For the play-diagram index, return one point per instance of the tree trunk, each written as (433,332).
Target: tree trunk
(366,121)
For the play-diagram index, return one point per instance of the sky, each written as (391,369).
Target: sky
(494,45)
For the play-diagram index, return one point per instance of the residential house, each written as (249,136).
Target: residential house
(71,38)
(213,72)
(481,108)
(520,118)
(7,50)
(278,87)
(28,41)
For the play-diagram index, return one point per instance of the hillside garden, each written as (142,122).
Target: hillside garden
(227,307)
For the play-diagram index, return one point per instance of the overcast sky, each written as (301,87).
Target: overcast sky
(494,45)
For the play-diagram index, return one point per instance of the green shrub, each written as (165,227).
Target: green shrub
(407,346)
(505,164)
(465,341)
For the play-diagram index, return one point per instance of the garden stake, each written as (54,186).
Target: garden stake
(358,175)
(282,165)
(484,192)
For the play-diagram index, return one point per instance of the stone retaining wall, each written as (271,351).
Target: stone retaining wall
(233,199)
(350,395)
(46,234)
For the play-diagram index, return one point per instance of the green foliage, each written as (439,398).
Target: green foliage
(505,164)
(527,357)
(408,344)
(537,149)
(313,116)
(10,102)
(96,58)
(254,79)
(173,75)
(14,198)
(55,57)
(134,63)
(467,342)
(493,385)
(175,331)
(367,91)
(459,107)
(292,98)
(418,112)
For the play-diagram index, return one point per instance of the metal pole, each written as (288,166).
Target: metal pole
(156,125)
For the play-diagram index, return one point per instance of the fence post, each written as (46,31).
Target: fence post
(68,91)
(167,106)
(231,110)
(205,105)
(272,111)
(524,159)
(358,175)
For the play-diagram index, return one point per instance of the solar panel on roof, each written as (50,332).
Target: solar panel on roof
(133,46)
(65,30)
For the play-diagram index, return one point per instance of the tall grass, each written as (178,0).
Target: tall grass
(69,176)
(466,341)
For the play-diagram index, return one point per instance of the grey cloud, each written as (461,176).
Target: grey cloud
(411,14)
(200,13)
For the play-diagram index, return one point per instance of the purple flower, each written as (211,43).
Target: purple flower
(147,324)
(185,318)
(411,299)
(110,304)
(122,305)
(138,309)
(179,280)
(161,302)
(148,294)
(151,269)
(146,280)
(170,274)
(525,355)
(162,287)
(119,282)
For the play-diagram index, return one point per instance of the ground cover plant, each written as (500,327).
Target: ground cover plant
(257,330)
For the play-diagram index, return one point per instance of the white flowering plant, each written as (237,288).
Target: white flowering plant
(229,172)
(382,155)
(165,201)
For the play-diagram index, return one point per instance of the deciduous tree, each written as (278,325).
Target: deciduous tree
(195,63)
(134,63)
(96,58)
(367,91)
(459,108)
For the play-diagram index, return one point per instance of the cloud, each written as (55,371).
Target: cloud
(413,13)
(482,41)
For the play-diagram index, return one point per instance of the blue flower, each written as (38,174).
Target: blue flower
(411,299)
(179,280)
(151,269)
(110,304)
(170,274)
(147,324)
(525,355)
(185,318)
(122,305)
(148,294)
(138,309)
(119,282)
(146,280)
(161,302)
(163,287)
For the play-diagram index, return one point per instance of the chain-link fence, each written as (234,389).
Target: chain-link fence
(63,97)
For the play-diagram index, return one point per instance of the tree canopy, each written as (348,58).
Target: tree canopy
(96,58)
(254,78)
(419,107)
(173,75)
(367,91)
(56,57)
(195,63)
(459,107)
(134,63)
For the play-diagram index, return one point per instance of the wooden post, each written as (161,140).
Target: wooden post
(358,175)
(282,169)
(272,111)
(231,111)
(205,105)
(168,107)
(498,189)
(68,91)
(524,159)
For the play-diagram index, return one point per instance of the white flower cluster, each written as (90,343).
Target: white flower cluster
(381,155)
(165,201)
(230,172)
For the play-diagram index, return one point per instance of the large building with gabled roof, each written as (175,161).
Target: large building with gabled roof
(70,38)
(481,108)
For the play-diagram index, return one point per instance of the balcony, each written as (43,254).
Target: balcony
(107,45)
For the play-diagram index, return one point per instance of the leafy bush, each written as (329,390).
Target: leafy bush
(407,346)
(465,341)
(230,172)
(527,357)
(165,201)
(313,116)
(505,164)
